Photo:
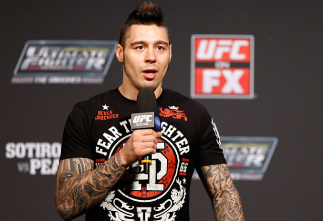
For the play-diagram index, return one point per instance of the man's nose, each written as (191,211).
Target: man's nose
(150,56)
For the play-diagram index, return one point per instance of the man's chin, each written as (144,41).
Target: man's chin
(151,85)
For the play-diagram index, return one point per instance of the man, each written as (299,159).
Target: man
(100,173)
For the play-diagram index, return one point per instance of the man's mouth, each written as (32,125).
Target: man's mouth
(149,73)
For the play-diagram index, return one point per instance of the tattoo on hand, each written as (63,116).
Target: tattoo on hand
(80,187)
(224,195)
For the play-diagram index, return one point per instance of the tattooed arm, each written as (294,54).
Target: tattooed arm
(225,198)
(79,187)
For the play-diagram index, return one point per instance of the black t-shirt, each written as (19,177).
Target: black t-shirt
(99,127)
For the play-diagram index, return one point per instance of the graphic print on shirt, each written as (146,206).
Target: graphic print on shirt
(163,186)
(106,114)
(143,186)
(215,129)
(166,211)
(173,112)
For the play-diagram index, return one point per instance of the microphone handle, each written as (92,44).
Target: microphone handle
(147,161)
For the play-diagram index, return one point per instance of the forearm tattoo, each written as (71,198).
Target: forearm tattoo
(224,195)
(79,187)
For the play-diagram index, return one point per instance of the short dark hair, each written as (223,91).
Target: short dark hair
(146,14)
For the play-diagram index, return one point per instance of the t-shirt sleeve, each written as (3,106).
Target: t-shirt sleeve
(76,142)
(210,151)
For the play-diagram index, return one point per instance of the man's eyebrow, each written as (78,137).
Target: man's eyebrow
(145,43)
(161,42)
(138,42)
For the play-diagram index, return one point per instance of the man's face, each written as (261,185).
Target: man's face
(145,57)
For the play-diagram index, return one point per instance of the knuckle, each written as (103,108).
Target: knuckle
(135,133)
(152,145)
(137,152)
(135,139)
(135,145)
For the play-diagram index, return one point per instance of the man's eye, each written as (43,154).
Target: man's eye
(140,47)
(160,48)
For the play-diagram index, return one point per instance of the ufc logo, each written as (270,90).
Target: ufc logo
(222,66)
(217,49)
(142,118)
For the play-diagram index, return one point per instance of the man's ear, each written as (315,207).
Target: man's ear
(170,52)
(119,53)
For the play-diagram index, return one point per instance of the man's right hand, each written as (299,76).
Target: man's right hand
(80,187)
(140,144)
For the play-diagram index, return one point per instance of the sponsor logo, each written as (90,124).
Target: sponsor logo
(35,158)
(64,62)
(222,66)
(172,112)
(142,120)
(157,123)
(247,157)
(106,114)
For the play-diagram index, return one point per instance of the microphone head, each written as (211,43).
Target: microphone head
(146,101)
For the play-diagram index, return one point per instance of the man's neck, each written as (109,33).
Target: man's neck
(132,93)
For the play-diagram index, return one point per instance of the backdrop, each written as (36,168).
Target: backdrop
(286,104)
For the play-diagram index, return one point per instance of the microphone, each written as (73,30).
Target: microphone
(145,118)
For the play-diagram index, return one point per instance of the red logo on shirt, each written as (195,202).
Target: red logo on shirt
(174,113)
(106,115)
(140,184)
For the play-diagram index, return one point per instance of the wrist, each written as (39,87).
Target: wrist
(121,159)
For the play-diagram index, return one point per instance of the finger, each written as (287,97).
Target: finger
(147,132)
(147,151)
(147,145)
(145,138)
(159,134)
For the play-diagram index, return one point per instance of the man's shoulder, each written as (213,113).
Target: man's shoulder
(95,101)
(182,99)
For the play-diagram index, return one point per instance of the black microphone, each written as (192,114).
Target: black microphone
(146,117)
